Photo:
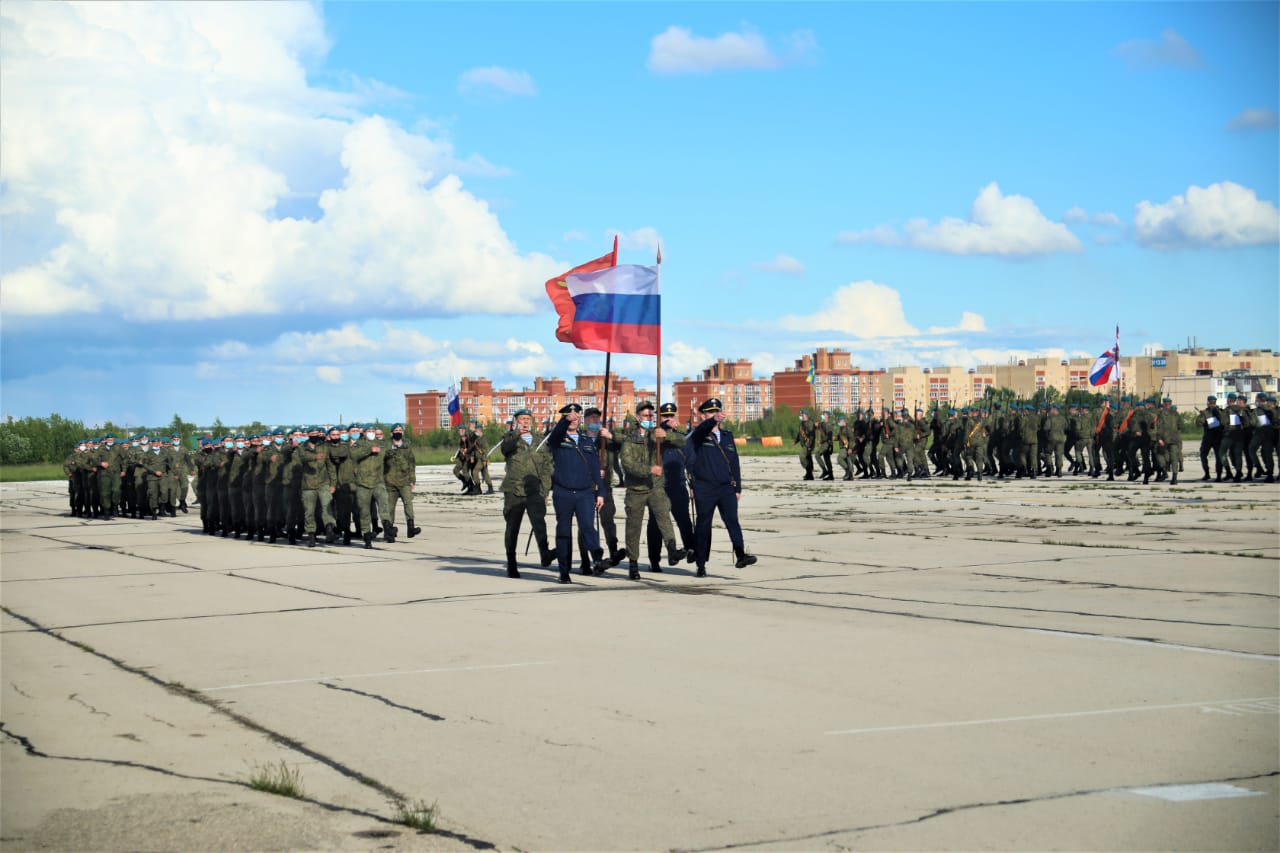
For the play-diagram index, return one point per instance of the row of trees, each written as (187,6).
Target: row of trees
(49,440)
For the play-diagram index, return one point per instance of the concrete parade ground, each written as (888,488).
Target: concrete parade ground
(1022,665)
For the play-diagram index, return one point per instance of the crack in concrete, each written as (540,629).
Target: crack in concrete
(19,690)
(947,810)
(232,574)
(721,591)
(1015,607)
(384,700)
(248,723)
(1106,585)
(75,697)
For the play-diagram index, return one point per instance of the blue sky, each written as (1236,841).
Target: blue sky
(296,212)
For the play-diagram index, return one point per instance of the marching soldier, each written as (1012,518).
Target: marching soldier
(1210,422)
(717,485)
(368,478)
(822,446)
(675,481)
(576,485)
(526,485)
(318,478)
(845,439)
(482,460)
(609,450)
(401,471)
(806,438)
(642,463)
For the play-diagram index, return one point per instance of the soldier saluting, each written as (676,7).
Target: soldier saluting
(575,487)
(717,484)
(525,488)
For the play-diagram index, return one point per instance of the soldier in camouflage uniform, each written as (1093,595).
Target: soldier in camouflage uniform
(641,455)
(845,440)
(823,446)
(806,438)
(1055,431)
(526,485)
(366,455)
(400,467)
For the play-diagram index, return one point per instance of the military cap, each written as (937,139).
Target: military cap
(355,427)
(1168,399)
(1261,397)
(592,410)
(570,407)
(1212,399)
(109,435)
(668,409)
(313,428)
(142,437)
(642,405)
(1231,396)
(401,426)
(1124,398)
(826,414)
(711,406)
(278,431)
(804,411)
(918,409)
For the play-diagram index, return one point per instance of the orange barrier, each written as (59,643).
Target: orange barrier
(771,441)
(739,441)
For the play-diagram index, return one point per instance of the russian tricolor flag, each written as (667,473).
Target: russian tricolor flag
(617,309)
(455,406)
(1106,368)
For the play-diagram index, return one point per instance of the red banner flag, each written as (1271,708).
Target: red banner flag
(559,291)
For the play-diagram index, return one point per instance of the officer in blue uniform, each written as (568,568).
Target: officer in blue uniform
(575,487)
(717,484)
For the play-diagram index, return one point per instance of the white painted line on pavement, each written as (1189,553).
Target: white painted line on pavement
(1187,793)
(1060,716)
(375,675)
(1154,644)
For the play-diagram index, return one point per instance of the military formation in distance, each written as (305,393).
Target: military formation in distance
(347,482)
(295,484)
(1137,438)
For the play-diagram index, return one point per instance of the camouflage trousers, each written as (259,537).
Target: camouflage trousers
(654,500)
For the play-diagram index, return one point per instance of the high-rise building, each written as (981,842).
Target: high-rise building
(745,398)
(837,384)
(427,410)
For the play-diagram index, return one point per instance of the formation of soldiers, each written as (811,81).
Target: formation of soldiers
(663,469)
(295,484)
(1137,438)
(139,478)
(471,461)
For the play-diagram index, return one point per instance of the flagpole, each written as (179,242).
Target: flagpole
(604,405)
(658,390)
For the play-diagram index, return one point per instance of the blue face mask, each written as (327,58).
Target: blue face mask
(228,445)
(344,437)
(279,439)
(646,424)
(593,427)
(526,438)
(177,443)
(239,445)
(133,444)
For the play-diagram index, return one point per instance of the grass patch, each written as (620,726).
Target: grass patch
(1168,511)
(277,779)
(38,471)
(417,815)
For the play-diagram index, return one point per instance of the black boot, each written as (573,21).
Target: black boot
(346,537)
(701,572)
(389,533)
(330,534)
(368,541)
(293,539)
(512,571)
(616,554)
(599,566)
(633,571)
(183,506)
(413,531)
(674,554)
(564,576)
(546,556)
(744,559)
(311,540)
(489,489)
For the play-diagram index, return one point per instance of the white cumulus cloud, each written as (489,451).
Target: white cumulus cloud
(863,309)
(781,264)
(1171,50)
(678,51)
(1221,215)
(1257,118)
(234,184)
(492,78)
(330,374)
(1010,225)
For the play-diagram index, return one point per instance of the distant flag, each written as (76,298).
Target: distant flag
(1107,368)
(809,377)
(455,406)
(616,309)
(659,261)
(559,292)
